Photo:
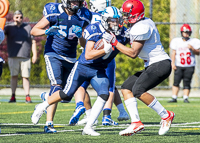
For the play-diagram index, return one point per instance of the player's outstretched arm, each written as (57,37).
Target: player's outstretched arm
(40,28)
(132,52)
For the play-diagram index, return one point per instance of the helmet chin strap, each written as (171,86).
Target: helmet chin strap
(186,38)
(74,9)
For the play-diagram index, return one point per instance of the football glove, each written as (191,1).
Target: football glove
(53,30)
(77,30)
(107,47)
(110,38)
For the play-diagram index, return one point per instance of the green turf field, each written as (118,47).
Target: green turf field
(16,126)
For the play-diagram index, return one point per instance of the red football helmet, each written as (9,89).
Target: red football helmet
(186,28)
(133,9)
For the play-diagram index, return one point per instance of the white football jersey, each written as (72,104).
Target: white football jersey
(184,56)
(152,50)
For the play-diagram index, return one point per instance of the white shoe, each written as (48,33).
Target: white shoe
(38,111)
(123,116)
(90,131)
(85,120)
(166,123)
(134,128)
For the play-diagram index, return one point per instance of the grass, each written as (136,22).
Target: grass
(16,126)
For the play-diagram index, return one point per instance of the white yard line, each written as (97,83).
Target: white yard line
(121,126)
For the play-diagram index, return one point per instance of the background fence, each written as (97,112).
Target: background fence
(168,15)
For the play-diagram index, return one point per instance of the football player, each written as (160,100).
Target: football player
(184,50)
(66,21)
(90,67)
(97,7)
(145,44)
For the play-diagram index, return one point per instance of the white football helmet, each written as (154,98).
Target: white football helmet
(2,36)
(99,5)
(110,14)
(67,4)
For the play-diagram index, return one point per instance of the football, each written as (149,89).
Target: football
(99,44)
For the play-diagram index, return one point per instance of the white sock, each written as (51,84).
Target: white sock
(185,97)
(156,106)
(120,108)
(174,96)
(46,96)
(96,110)
(49,123)
(45,104)
(131,105)
(88,112)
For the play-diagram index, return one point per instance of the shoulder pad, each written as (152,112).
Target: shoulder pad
(84,12)
(50,8)
(92,31)
(140,32)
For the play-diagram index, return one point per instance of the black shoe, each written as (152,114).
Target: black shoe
(186,101)
(172,101)
(12,100)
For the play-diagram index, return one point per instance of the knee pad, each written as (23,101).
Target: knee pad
(104,96)
(126,85)
(137,93)
(54,88)
(187,87)
(186,84)
(176,84)
(64,96)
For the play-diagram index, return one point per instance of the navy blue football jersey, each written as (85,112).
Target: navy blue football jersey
(56,15)
(94,32)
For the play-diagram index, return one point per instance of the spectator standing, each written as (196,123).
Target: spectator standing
(183,61)
(19,44)
(2,36)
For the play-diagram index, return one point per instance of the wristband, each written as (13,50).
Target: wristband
(115,43)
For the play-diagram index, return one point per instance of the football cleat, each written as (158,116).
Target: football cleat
(166,123)
(77,113)
(12,99)
(85,120)
(172,100)
(28,99)
(186,101)
(123,116)
(107,121)
(38,111)
(44,96)
(134,128)
(90,131)
(49,129)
